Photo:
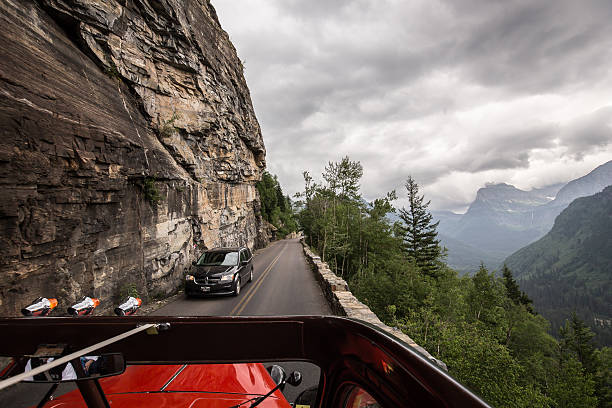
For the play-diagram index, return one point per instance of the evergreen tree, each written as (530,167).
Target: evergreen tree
(275,207)
(419,233)
(571,387)
(480,326)
(513,292)
(603,377)
(266,188)
(577,339)
(280,199)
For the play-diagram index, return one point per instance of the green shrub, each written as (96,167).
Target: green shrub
(112,72)
(150,191)
(127,290)
(167,128)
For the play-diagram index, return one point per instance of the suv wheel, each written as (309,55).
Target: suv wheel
(251,275)
(237,286)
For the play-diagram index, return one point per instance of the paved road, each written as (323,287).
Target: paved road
(283,284)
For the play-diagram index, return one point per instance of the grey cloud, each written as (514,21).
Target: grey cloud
(527,46)
(323,71)
(588,133)
(323,10)
(519,48)
(497,151)
(507,150)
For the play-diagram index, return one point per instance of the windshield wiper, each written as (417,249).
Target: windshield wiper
(295,379)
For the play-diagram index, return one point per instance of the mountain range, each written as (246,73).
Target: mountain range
(502,219)
(570,268)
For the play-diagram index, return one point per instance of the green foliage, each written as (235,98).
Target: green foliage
(112,72)
(513,292)
(483,298)
(568,270)
(482,327)
(486,366)
(603,377)
(166,127)
(571,387)
(353,236)
(151,192)
(127,290)
(418,231)
(577,340)
(276,208)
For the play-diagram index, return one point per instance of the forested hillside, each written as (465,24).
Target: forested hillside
(275,206)
(503,219)
(483,327)
(570,268)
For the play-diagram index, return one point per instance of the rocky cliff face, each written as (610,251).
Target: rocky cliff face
(127,138)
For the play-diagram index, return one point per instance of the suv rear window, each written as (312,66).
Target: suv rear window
(225,258)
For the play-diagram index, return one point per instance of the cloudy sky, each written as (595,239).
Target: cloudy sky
(456,93)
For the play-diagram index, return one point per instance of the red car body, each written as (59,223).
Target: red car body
(198,385)
(359,363)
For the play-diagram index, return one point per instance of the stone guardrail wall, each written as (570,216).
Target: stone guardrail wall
(344,303)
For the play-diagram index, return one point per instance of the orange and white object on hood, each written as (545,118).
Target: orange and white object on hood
(40,307)
(129,307)
(84,307)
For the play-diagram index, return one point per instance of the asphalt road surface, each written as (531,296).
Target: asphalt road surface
(283,284)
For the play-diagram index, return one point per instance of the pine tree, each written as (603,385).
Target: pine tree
(275,207)
(513,292)
(419,233)
(577,339)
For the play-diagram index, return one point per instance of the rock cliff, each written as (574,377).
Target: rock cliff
(128,142)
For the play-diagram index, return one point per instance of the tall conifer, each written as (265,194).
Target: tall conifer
(513,292)
(419,232)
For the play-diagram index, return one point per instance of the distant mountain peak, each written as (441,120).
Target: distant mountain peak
(568,269)
(587,185)
(497,185)
(505,197)
(504,218)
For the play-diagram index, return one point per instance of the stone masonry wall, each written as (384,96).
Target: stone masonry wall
(344,303)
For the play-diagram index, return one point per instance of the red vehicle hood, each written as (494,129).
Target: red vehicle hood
(197,385)
(167,400)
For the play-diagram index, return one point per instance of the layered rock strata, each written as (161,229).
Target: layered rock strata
(128,142)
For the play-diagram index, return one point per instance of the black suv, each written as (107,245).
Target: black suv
(220,271)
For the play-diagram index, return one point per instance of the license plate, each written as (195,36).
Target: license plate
(205,289)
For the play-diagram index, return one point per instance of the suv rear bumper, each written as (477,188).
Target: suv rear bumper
(196,289)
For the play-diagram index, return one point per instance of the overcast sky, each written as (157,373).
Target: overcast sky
(456,93)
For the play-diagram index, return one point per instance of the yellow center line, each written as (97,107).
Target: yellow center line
(249,294)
